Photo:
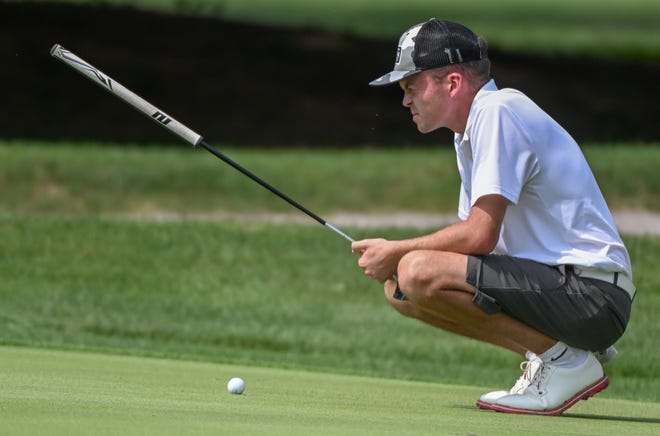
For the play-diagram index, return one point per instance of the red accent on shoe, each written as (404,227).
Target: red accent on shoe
(584,394)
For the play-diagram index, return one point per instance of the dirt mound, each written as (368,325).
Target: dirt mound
(243,84)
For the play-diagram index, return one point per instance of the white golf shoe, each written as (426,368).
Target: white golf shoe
(554,389)
(529,369)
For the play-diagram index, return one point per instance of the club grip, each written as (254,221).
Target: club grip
(128,96)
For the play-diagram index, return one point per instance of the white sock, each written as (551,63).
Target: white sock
(563,356)
(529,355)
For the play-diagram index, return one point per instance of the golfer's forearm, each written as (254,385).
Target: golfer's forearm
(461,238)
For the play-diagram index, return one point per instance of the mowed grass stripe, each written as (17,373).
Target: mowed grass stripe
(91,179)
(257,294)
(59,392)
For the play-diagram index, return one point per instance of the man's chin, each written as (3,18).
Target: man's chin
(421,128)
(424,129)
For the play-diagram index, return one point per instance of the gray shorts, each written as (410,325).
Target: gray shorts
(581,312)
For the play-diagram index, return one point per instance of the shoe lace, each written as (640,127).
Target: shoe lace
(529,369)
(538,381)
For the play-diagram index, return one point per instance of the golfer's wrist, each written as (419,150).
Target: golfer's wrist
(403,247)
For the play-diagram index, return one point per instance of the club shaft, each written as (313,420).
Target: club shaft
(166,121)
(339,232)
(214,151)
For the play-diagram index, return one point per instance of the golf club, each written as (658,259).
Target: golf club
(174,126)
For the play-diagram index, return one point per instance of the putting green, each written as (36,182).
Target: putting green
(62,392)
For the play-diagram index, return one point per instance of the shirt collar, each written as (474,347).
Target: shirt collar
(487,87)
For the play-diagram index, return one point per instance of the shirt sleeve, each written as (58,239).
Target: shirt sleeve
(503,153)
(463,204)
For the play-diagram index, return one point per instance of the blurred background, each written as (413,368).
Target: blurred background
(295,72)
(117,237)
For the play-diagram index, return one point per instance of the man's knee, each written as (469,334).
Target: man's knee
(414,273)
(423,273)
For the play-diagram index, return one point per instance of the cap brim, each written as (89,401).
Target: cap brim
(392,77)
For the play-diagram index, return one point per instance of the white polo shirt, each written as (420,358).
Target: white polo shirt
(557,214)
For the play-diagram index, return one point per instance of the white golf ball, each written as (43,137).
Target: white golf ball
(236,386)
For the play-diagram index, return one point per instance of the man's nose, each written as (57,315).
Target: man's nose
(407,101)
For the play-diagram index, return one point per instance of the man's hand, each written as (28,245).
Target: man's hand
(379,258)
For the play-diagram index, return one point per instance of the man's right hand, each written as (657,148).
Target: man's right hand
(379,258)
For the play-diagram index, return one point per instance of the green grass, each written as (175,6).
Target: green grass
(111,325)
(80,179)
(611,28)
(40,178)
(65,393)
(256,294)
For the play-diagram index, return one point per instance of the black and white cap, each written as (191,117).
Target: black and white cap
(434,43)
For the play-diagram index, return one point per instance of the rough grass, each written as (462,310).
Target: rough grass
(83,179)
(256,294)
(76,276)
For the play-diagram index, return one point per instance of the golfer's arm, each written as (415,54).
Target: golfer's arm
(476,235)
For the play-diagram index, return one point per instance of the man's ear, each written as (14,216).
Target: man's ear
(455,81)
